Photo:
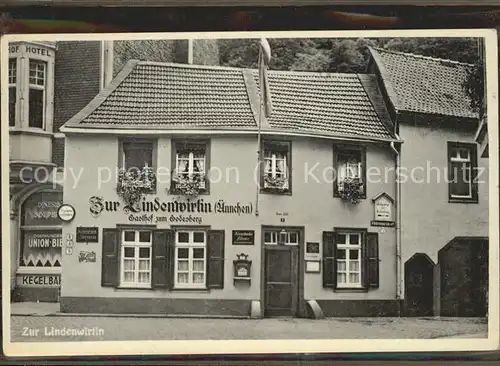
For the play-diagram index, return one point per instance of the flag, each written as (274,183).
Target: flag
(265,92)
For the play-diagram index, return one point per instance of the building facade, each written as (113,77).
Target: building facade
(44,92)
(223,251)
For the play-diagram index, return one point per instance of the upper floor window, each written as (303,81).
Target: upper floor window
(350,172)
(190,162)
(137,163)
(12,91)
(462,171)
(31,86)
(276,166)
(137,155)
(37,85)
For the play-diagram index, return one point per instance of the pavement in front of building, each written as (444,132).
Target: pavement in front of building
(42,328)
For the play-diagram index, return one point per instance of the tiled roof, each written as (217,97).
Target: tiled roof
(155,94)
(151,95)
(326,102)
(424,84)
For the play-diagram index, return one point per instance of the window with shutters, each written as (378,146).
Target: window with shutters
(349,170)
(135,264)
(350,259)
(145,257)
(190,259)
(462,169)
(276,167)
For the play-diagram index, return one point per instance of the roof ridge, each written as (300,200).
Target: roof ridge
(189,66)
(415,55)
(240,69)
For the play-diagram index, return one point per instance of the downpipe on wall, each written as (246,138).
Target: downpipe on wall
(398,221)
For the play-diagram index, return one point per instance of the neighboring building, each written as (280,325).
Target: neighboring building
(49,82)
(444,223)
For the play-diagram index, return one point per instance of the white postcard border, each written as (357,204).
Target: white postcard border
(26,349)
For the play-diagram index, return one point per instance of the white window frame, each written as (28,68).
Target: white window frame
(274,159)
(349,170)
(19,51)
(13,84)
(136,245)
(190,246)
(457,158)
(191,161)
(275,237)
(347,246)
(36,86)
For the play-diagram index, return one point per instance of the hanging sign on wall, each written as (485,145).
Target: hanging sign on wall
(383,210)
(87,234)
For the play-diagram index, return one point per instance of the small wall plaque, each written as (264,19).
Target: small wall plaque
(243,237)
(312,250)
(313,266)
(88,257)
(87,234)
(383,205)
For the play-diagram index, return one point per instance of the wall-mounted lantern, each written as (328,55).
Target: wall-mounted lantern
(242,267)
(282,237)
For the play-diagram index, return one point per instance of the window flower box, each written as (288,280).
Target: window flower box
(134,183)
(278,183)
(351,189)
(188,185)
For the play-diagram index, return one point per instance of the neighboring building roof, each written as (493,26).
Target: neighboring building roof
(424,84)
(149,95)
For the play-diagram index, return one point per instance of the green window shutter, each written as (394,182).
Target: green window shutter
(329,262)
(110,249)
(371,261)
(161,277)
(215,259)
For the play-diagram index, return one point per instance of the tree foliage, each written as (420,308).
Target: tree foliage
(351,55)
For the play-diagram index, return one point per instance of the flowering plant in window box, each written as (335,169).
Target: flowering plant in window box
(134,183)
(351,189)
(189,185)
(279,183)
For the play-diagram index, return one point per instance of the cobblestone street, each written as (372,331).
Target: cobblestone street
(44,328)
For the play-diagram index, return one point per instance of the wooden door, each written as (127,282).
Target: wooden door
(280,281)
(419,281)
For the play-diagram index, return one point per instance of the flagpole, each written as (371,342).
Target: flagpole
(258,135)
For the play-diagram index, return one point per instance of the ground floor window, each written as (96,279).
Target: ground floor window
(190,264)
(146,257)
(350,259)
(40,231)
(136,258)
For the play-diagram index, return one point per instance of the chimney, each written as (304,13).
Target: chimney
(190,52)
